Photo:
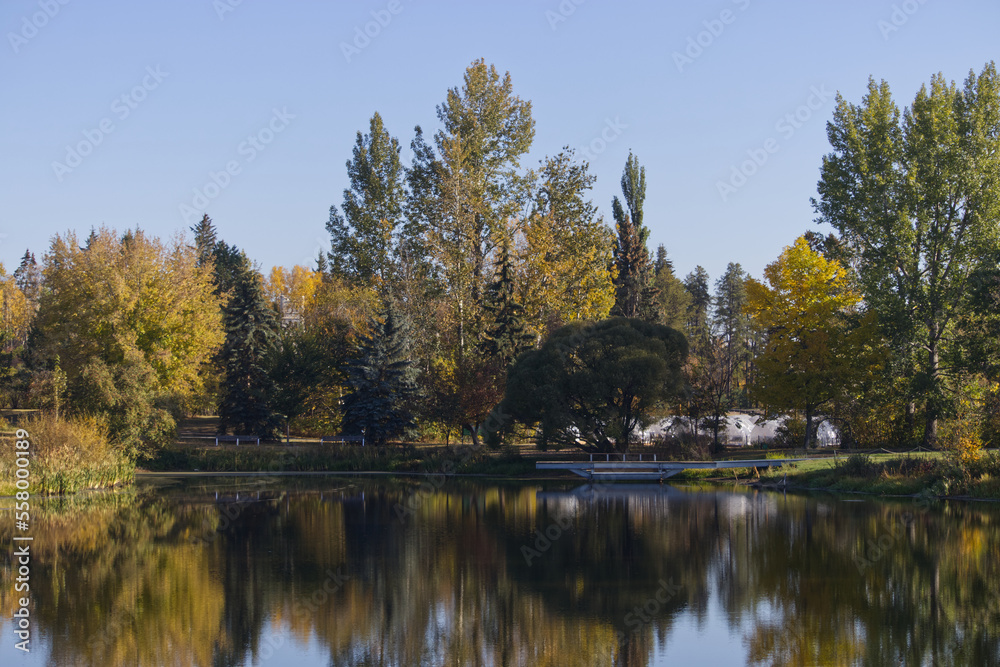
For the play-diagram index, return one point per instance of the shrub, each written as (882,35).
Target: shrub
(859,465)
(790,433)
(68,455)
(682,446)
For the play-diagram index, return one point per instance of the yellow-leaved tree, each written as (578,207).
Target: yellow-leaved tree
(813,348)
(15,313)
(293,290)
(565,251)
(132,321)
(127,295)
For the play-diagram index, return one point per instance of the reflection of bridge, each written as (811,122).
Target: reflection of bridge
(621,471)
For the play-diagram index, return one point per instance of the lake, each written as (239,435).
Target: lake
(334,570)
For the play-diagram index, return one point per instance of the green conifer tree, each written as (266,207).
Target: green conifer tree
(205,240)
(506,337)
(382,378)
(251,335)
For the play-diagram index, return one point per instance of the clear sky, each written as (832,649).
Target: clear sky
(116,112)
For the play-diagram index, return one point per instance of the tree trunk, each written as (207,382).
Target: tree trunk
(809,426)
(933,371)
(474,430)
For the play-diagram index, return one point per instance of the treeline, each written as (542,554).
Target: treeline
(443,272)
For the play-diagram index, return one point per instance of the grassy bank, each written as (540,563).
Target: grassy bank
(341,459)
(937,473)
(64,456)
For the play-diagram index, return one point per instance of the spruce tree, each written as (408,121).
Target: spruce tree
(205,240)
(663,261)
(696,283)
(672,299)
(229,266)
(382,379)
(28,277)
(732,324)
(322,266)
(505,337)
(251,335)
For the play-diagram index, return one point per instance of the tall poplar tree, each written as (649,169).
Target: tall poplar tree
(635,293)
(364,236)
(464,197)
(915,197)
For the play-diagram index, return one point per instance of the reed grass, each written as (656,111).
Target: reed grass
(66,456)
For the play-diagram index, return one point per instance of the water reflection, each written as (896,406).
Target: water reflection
(230,571)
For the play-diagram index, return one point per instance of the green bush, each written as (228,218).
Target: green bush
(859,465)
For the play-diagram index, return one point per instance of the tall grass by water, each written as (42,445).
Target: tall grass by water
(65,456)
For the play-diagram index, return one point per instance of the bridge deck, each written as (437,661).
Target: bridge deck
(649,470)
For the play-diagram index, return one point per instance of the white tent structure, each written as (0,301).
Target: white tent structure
(743,429)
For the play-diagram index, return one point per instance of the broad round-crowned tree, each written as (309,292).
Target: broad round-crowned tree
(592,385)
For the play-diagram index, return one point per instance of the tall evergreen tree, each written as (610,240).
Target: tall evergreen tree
(364,236)
(229,266)
(672,299)
(662,260)
(635,294)
(322,265)
(251,336)
(205,239)
(696,284)
(382,381)
(28,277)
(506,337)
(732,325)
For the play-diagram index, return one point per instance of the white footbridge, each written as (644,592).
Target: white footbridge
(639,470)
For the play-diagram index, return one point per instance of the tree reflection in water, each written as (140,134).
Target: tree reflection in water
(189,574)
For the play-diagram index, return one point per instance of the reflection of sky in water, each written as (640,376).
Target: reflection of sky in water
(38,656)
(701,639)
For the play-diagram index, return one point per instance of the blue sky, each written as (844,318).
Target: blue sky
(161,96)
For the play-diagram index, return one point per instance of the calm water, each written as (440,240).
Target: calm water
(348,571)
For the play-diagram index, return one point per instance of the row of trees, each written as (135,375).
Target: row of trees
(443,273)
